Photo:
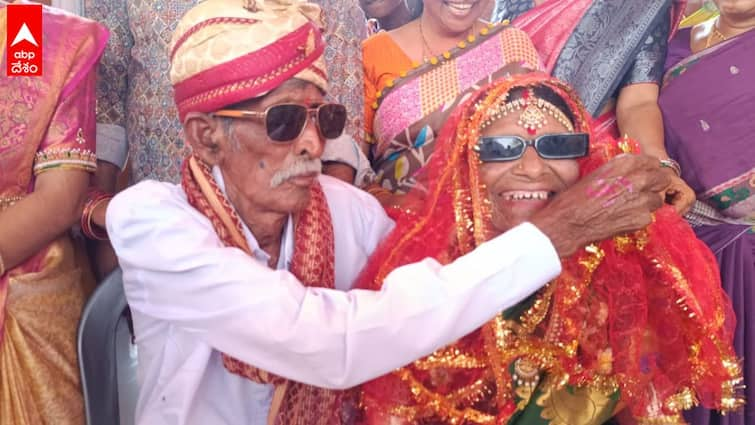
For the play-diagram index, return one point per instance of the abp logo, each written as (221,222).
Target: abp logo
(24,40)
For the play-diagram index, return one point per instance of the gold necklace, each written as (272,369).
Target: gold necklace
(426,46)
(717,33)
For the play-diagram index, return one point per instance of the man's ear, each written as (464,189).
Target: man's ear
(205,135)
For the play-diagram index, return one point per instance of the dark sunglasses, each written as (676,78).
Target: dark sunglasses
(286,122)
(548,146)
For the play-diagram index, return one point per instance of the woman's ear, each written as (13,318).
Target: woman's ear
(206,137)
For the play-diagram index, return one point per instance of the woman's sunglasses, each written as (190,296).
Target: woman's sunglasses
(548,146)
(285,122)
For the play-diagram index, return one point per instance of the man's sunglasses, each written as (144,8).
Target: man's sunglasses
(285,122)
(548,146)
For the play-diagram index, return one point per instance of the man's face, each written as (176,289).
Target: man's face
(264,176)
(517,189)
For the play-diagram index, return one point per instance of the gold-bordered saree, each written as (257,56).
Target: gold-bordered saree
(47,123)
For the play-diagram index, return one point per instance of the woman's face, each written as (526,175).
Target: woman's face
(517,189)
(379,8)
(740,9)
(455,16)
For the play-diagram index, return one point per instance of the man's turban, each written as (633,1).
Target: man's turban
(227,51)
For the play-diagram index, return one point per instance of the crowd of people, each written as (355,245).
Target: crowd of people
(387,211)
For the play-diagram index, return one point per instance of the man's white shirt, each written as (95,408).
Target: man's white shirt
(192,298)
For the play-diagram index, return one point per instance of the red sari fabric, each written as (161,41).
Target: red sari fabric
(550,25)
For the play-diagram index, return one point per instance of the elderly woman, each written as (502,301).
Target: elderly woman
(612,53)
(586,347)
(46,158)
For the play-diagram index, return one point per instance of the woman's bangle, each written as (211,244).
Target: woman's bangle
(671,163)
(91,230)
(2,266)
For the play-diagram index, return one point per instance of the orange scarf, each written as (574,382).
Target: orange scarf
(313,264)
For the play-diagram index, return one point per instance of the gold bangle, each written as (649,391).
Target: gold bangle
(2,266)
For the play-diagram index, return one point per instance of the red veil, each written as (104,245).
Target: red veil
(643,313)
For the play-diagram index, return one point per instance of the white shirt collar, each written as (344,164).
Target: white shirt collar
(287,244)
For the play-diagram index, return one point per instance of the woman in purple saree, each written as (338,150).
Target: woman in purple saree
(708,103)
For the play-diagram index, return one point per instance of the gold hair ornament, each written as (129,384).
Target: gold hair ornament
(533,113)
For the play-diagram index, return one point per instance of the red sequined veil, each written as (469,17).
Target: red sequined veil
(642,313)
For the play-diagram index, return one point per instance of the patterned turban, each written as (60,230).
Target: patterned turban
(227,51)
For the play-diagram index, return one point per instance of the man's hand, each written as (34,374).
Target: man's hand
(617,198)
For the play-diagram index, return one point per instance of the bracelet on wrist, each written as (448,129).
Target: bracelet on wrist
(91,230)
(673,165)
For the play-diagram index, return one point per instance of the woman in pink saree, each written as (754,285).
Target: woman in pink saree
(46,158)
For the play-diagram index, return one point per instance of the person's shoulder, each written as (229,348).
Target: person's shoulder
(509,33)
(344,197)
(383,55)
(698,35)
(355,213)
(83,43)
(518,46)
(55,18)
(341,191)
(512,31)
(150,191)
(377,42)
(146,196)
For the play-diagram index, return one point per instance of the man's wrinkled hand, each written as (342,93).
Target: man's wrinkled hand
(617,198)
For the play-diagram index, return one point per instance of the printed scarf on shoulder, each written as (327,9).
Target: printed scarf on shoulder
(313,264)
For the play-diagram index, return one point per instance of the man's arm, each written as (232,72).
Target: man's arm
(176,270)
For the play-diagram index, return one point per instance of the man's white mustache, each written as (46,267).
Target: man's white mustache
(296,169)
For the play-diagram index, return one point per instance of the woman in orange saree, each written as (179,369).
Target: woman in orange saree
(46,158)
(409,94)
(636,325)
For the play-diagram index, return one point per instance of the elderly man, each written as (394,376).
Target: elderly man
(233,277)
